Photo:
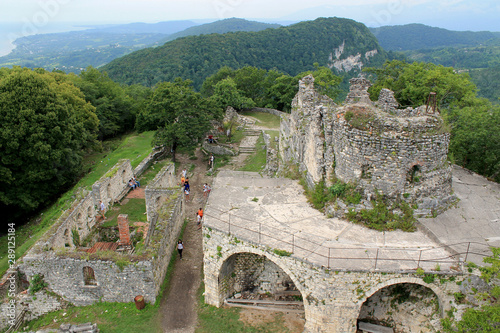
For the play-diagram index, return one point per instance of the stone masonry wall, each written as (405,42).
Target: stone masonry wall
(399,154)
(159,190)
(332,299)
(80,218)
(65,277)
(111,185)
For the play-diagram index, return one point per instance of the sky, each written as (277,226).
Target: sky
(26,17)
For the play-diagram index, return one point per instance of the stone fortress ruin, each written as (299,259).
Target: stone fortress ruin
(397,153)
(261,236)
(106,269)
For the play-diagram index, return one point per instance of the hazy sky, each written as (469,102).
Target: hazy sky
(454,14)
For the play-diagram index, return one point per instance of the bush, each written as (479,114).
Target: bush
(37,283)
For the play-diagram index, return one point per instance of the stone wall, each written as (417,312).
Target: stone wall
(159,190)
(112,185)
(113,283)
(332,299)
(251,272)
(267,110)
(217,149)
(81,218)
(400,154)
(36,305)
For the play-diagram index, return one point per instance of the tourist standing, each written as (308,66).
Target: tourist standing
(180,247)
(102,209)
(199,217)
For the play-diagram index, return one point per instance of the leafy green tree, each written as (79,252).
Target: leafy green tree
(413,82)
(227,94)
(180,116)
(45,125)
(114,108)
(475,139)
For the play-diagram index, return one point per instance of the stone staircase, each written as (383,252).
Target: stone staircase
(248,144)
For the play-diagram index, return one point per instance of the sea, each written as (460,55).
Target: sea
(11,31)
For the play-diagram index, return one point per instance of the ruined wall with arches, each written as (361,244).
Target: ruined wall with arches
(332,298)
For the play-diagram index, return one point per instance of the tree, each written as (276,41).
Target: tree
(413,82)
(114,108)
(45,125)
(475,139)
(180,116)
(227,94)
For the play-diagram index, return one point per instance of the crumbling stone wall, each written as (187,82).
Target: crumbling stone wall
(80,218)
(400,154)
(159,190)
(111,186)
(254,273)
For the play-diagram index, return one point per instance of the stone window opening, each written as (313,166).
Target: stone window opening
(89,276)
(414,176)
(366,171)
(124,176)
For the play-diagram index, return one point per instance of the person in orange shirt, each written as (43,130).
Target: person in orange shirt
(182,180)
(199,216)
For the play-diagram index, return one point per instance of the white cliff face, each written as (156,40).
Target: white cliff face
(349,62)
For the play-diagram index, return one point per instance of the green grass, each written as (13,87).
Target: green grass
(257,160)
(134,208)
(134,146)
(264,119)
(113,317)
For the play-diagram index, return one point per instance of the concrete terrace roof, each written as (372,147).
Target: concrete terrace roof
(274,212)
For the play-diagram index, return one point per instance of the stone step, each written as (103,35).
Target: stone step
(246,150)
(251,132)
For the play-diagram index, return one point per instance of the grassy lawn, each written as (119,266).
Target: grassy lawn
(134,146)
(264,119)
(152,171)
(257,160)
(134,208)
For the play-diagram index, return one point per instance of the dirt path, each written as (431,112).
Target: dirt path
(178,305)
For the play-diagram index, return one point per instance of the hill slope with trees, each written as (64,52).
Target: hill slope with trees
(221,27)
(420,36)
(292,49)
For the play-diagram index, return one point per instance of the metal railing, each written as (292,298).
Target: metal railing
(449,257)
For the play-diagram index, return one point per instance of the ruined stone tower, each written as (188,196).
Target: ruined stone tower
(397,153)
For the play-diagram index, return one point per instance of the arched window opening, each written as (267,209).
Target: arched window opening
(88,276)
(414,176)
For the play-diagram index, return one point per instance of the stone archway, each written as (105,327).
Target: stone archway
(405,306)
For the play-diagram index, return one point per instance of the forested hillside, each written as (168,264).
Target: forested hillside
(221,27)
(420,36)
(292,49)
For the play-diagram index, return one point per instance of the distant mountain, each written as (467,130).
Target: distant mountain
(166,27)
(419,36)
(76,50)
(342,44)
(221,27)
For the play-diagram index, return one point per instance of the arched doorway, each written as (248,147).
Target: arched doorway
(252,280)
(406,307)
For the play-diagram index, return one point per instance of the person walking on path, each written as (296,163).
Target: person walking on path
(211,161)
(186,193)
(102,209)
(184,173)
(206,190)
(180,247)
(199,217)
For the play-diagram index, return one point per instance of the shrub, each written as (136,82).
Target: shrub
(37,283)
